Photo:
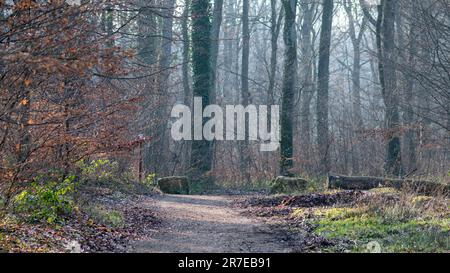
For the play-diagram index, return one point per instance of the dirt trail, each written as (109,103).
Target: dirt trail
(208,224)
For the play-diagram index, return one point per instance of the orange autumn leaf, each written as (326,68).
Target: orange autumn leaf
(27,82)
(24,102)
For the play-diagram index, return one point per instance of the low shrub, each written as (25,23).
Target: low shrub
(100,171)
(48,202)
(150,181)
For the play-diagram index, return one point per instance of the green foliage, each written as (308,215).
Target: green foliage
(407,224)
(316,184)
(108,174)
(100,171)
(110,218)
(46,202)
(394,236)
(150,181)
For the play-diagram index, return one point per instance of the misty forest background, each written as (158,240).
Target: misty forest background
(364,87)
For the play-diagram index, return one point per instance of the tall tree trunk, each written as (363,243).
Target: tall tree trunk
(389,88)
(167,40)
(185,74)
(410,99)
(201,150)
(148,49)
(163,148)
(308,81)
(215,35)
(357,123)
(244,149)
(323,141)
(186,47)
(289,87)
(245,92)
(229,51)
(275,27)
(147,42)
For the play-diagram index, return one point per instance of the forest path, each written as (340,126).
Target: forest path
(193,223)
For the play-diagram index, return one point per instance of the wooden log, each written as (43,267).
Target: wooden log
(367,183)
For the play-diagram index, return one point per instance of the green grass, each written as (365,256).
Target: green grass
(398,221)
(362,227)
(110,218)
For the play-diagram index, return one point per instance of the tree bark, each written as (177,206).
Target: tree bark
(410,139)
(147,43)
(229,51)
(244,149)
(275,27)
(308,79)
(215,34)
(186,146)
(186,47)
(356,39)
(201,150)
(289,87)
(323,141)
(389,88)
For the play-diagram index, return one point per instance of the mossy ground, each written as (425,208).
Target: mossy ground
(410,224)
(108,217)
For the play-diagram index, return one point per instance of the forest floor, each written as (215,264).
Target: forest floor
(339,221)
(332,221)
(197,223)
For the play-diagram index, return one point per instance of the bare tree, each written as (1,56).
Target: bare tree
(323,139)
(289,86)
(388,79)
(201,153)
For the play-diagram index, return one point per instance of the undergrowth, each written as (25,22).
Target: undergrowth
(398,222)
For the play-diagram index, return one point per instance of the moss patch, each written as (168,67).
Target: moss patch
(362,227)
(110,218)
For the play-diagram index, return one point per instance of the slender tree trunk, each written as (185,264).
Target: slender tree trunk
(201,153)
(229,51)
(186,47)
(410,99)
(308,81)
(164,151)
(245,53)
(185,74)
(148,49)
(275,27)
(323,141)
(147,43)
(390,92)
(357,123)
(289,87)
(215,34)
(167,40)
(244,149)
